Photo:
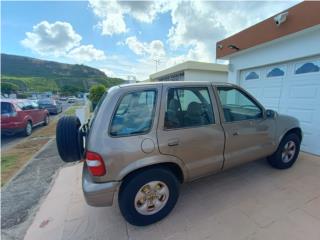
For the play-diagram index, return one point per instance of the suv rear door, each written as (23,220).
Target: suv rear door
(189,128)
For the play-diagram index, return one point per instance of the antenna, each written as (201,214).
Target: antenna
(157,61)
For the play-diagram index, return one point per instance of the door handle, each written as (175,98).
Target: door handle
(235,134)
(173,142)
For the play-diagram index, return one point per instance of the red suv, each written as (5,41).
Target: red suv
(20,115)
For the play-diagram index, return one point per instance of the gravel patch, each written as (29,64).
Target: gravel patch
(21,197)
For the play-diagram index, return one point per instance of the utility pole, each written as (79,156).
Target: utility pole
(157,61)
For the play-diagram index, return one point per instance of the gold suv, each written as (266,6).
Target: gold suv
(144,140)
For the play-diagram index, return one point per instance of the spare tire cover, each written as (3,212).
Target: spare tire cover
(68,138)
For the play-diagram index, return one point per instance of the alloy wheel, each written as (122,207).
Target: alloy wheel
(151,197)
(288,152)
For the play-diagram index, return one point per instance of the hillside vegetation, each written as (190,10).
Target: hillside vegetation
(31,74)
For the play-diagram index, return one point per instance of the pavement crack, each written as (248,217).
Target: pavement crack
(127,231)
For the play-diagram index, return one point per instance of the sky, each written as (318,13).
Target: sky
(126,38)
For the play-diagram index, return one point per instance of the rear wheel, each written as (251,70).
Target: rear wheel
(287,152)
(69,139)
(148,196)
(28,129)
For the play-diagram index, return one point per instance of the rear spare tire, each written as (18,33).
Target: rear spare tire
(69,140)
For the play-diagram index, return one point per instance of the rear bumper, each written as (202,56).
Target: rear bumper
(97,194)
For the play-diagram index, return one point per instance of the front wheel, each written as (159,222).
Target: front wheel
(287,152)
(46,120)
(28,129)
(148,196)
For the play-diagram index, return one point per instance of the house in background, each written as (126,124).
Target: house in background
(278,61)
(193,71)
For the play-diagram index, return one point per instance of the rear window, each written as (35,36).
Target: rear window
(6,108)
(134,114)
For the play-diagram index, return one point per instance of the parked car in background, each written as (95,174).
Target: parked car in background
(144,140)
(53,106)
(19,115)
(72,99)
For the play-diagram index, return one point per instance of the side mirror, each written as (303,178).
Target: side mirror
(271,113)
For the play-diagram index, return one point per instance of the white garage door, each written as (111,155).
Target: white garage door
(291,88)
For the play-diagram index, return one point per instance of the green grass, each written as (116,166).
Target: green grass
(39,84)
(8,161)
(71,111)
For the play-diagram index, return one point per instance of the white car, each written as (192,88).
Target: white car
(72,100)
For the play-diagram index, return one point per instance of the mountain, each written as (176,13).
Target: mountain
(31,74)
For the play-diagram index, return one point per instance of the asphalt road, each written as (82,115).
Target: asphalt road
(10,141)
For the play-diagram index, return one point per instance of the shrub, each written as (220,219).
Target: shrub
(96,93)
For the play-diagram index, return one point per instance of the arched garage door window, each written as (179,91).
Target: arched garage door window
(252,75)
(307,67)
(275,72)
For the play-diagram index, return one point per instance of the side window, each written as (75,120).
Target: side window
(134,114)
(188,107)
(237,106)
(6,108)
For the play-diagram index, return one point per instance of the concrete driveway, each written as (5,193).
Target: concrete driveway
(253,201)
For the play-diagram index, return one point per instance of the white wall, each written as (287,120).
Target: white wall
(198,75)
(298,45)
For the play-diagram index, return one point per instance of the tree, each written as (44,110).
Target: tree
(69,90)
(96,93)
(9,88)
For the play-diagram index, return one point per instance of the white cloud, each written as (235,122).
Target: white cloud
(86,53)
(55,38)
(111,14)
(153,49)
(114,24)
(136,46)
(198,25)
(59,39)
(108,72)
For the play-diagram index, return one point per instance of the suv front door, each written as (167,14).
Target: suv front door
(249,135)
(189,128)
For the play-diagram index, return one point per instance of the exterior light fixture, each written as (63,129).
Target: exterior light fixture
(233,47)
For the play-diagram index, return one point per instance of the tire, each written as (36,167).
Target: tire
(285,157)
(69,142)
(28,129)
(131,209)
(46,120)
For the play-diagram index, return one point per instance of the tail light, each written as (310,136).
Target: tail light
(95,164)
